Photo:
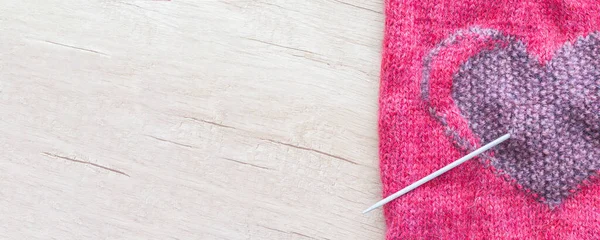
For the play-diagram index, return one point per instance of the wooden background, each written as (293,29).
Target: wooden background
(231,119)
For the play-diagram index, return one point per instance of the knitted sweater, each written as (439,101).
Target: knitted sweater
(457,74)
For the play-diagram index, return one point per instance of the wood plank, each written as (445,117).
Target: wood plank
(189,119)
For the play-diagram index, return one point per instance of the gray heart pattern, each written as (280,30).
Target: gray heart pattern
(551,110)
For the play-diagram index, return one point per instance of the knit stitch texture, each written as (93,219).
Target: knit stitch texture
(456,74)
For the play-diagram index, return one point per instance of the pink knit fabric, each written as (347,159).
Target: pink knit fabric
(473,201)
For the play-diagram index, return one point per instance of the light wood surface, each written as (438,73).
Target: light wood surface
(189,119)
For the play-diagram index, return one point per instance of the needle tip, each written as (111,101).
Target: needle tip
(370,209)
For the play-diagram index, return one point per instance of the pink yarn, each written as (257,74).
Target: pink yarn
(469,202)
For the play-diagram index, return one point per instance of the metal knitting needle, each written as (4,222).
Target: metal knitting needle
(438,172)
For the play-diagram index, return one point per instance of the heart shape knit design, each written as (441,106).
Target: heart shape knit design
(551,110)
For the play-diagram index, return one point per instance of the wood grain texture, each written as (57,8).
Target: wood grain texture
(189,119)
